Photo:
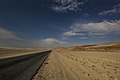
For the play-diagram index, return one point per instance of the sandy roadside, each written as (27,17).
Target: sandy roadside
(2,55)
(80,66)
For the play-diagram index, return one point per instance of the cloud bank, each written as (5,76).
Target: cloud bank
(6,34)
(50,43)
(93,29)
(9,39)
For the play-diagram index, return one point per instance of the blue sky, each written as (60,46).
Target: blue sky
(57,23)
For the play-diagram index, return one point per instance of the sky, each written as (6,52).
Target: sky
(58,23)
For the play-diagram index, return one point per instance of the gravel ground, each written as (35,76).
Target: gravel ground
(80,65)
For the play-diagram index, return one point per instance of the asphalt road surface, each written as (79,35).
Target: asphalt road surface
(21,67)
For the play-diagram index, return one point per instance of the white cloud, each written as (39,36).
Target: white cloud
(47,43)
(6,34)
(67,5)
(9,39)
(83,37)
(114,10)
(50,43)
(93,29)
(70,33)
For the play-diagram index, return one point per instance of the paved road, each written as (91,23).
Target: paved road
(21,67)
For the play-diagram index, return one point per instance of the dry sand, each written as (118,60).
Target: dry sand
(6,53)
(80,65)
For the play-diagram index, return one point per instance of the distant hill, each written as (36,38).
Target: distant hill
(99,47)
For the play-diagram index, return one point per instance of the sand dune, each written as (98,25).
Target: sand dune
(99,47)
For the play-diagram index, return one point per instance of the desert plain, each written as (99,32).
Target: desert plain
(13,52)
(95,62)
(89,62)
